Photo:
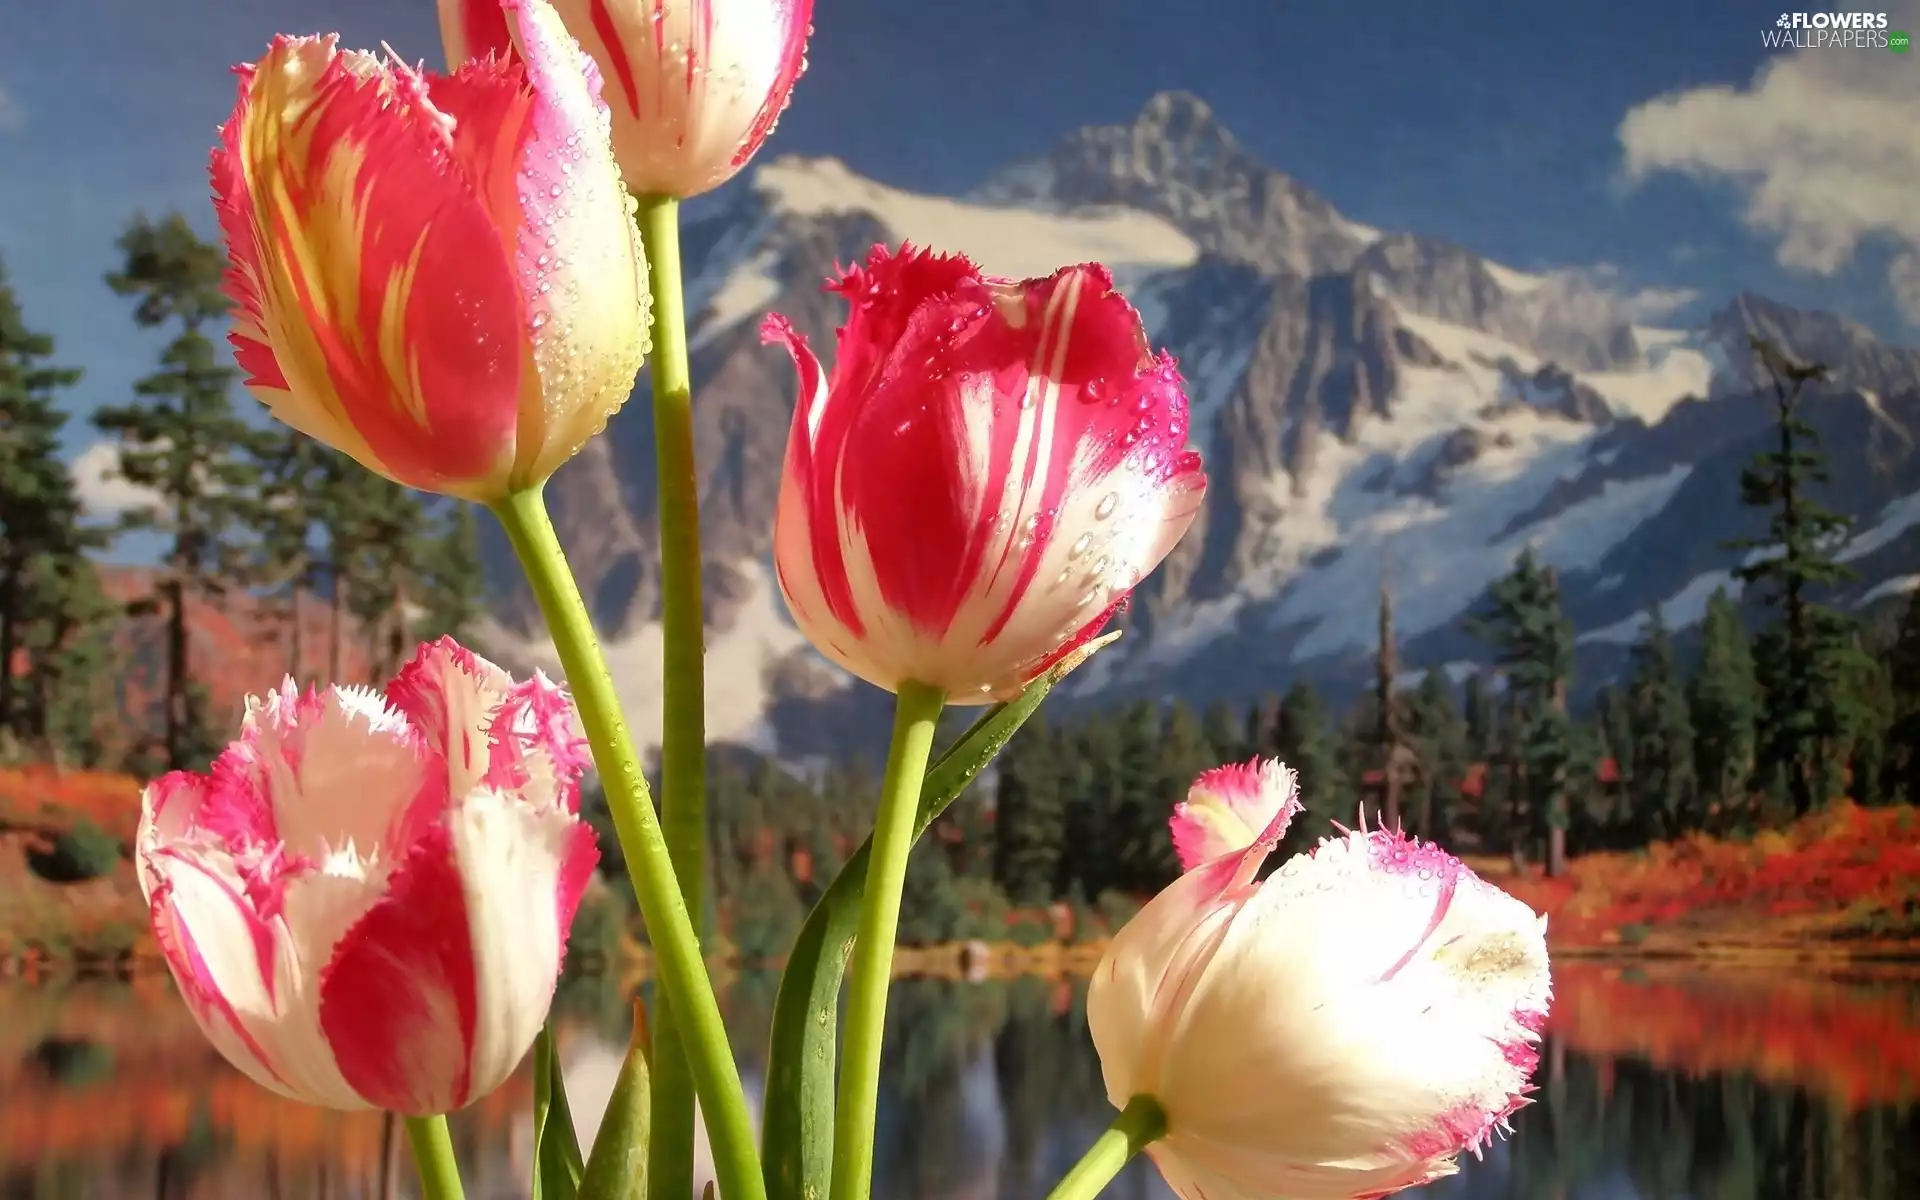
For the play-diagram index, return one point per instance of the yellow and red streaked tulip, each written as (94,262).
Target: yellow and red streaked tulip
(437,275)
(695,85)
(365,901)
(1344,1029)
(989,470)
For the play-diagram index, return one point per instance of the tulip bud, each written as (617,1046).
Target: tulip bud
(365,901)
(1343,1029)
(986,474)
(695,85)
(437,275)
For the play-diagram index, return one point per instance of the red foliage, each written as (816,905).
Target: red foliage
(1836,871)
(46,799)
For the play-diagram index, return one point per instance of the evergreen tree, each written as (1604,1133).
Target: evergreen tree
(1226,734)
(1664,795)
(295,472)
(1304,740)
(1724,702)
(452,578)
(1030,818)
(1534,646)
(1392,753)
(1900,781)
(44,574)
(1440,733)
(183,441)
(1139,813)
(1801,655)
(1479,711)
(377,566)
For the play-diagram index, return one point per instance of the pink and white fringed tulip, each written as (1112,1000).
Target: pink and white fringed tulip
(1228,807)
(437,275)
(695,85)
(986,474)
(365,901)
(1344,1029)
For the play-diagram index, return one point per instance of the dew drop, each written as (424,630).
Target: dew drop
(1080,546)
(1107,504)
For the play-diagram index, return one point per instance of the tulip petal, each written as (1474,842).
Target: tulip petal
(1394,991)
(340,767)
(578,254)
(537,752)
(394,323)
(697,86)
(398,1000)
(433,998)
(1230,807)
(473,29)
(1150,964)
(992,468)
(449,694)
(546,857)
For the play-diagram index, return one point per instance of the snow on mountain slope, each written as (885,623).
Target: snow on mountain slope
(1370,403)
(738,689)
(1014,242)
(1436,497)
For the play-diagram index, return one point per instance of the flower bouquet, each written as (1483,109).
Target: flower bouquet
(454,279)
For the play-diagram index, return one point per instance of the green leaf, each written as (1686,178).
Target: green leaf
(556,1150)
(797,1143)
(617,1166)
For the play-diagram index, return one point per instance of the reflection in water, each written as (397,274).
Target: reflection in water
(1656,1083)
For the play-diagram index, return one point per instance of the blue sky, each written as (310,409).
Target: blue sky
(1504,127)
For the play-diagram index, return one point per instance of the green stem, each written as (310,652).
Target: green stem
(681,973)
(683,742)
(433,1154)
(1140,1122)
(916,712)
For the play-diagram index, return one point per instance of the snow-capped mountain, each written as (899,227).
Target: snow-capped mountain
(1370,405)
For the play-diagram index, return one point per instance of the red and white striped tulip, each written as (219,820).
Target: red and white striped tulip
(986,474)
(365,901)
(437,275)
(695,85)
(1344,1029)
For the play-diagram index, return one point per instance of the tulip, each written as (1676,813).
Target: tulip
(988,471)
(365,900)
(696,85)
(437,275)
(1343,1029)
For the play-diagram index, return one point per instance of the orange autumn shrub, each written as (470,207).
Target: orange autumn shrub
(1853,868)
(46,799)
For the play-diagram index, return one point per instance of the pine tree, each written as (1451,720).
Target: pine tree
(1030,818)
(295,471)
(452,579)
(1900,780)
(1304,740)
(1724,702)
(1661,733)
(1226,734)
(185,443)
(1393,755)
(1801,655)
(43,570)
(1440,733)
(1534,646)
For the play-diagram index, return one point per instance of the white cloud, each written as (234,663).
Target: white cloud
(96,476)
(1821,143)
(13,118)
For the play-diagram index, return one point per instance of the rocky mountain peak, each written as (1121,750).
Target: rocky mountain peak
(1176,160)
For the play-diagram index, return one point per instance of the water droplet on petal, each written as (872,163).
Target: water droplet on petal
(1107,504)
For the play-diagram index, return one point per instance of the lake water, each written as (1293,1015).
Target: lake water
(1657,1082)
